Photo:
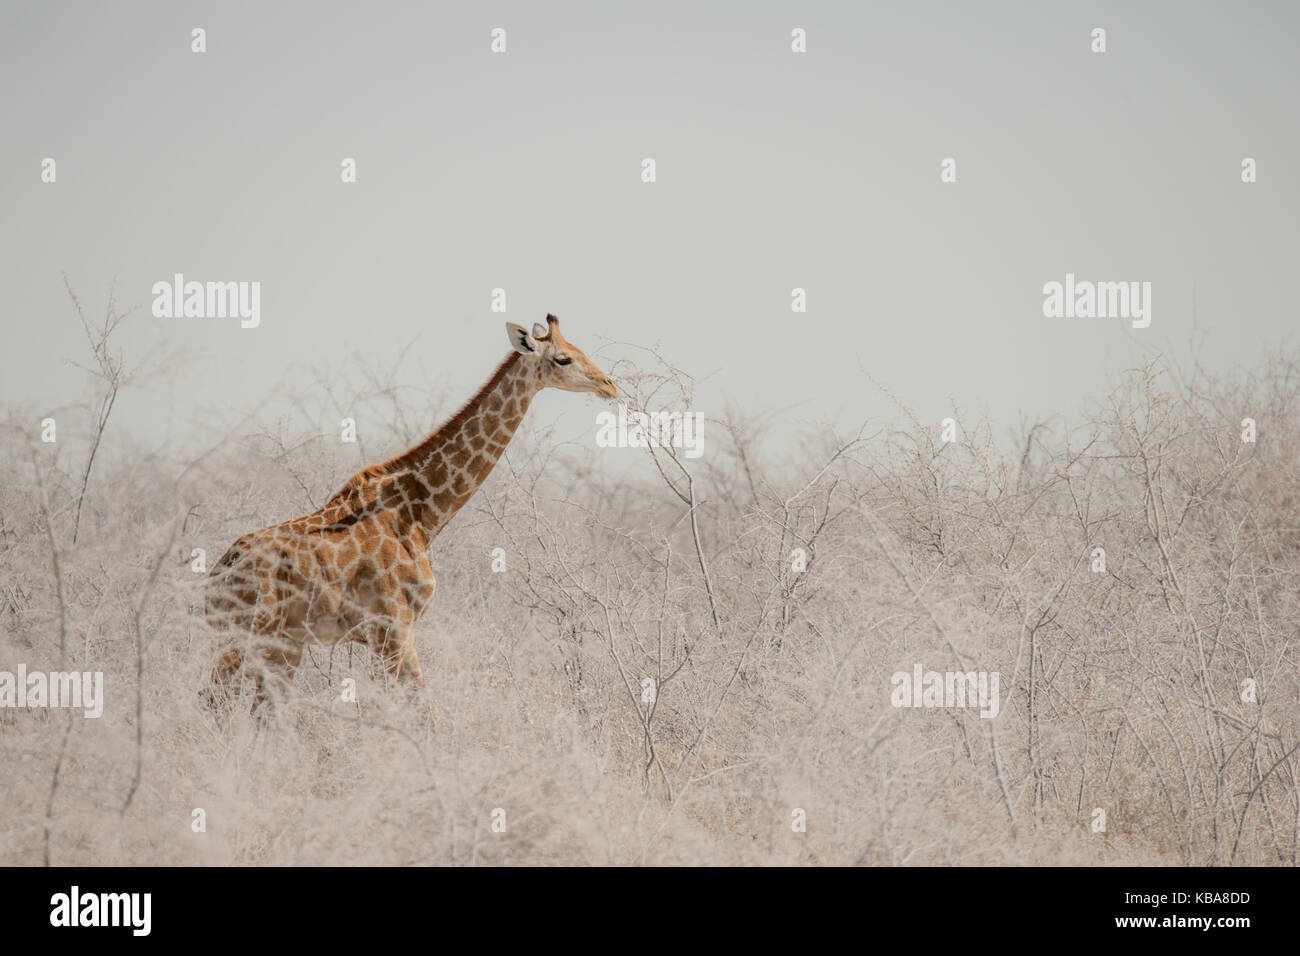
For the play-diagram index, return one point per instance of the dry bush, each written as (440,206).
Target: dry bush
(650,680)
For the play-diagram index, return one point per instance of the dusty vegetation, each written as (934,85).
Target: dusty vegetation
(649,680)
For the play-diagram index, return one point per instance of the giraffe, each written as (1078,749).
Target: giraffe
(357,568)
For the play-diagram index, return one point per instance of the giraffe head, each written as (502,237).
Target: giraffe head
(560,363)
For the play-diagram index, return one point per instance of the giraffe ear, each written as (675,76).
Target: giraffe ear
(520,340)
(540,331)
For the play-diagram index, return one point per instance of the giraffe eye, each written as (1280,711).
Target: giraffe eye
(562,360)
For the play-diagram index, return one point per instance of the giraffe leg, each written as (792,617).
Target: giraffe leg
(221,689)
(396,648)
(395,645)
(277,661)
(252,649)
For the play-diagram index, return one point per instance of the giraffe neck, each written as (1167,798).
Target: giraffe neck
(452,462)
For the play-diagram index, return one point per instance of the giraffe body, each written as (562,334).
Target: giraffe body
(357,568)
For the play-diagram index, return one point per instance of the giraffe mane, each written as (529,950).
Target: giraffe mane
(404,460)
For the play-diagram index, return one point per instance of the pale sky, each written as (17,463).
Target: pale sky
(775,170)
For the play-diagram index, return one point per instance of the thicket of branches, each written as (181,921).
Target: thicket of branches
(679,660)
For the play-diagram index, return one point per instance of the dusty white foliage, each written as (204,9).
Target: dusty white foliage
(771,688)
